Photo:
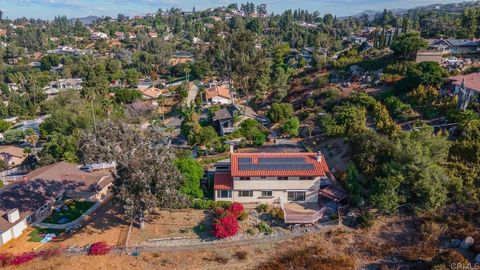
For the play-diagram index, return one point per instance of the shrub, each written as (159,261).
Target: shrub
(431,231)
(277,213)
(222,204)
(23,258)
(236,209)
(262,208)
(243,216)
(202,227)
(306,81)
(241,255)
(202,204)
(310,103)
(225,227)
(366,221)
(251,231)
(221,258)
(264,228)
(99,248)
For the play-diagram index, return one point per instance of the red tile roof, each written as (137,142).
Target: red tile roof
(319,168)
(218,91)
(222,181)
(472,81)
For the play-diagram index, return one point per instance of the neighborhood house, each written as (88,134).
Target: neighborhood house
(271,177)
(218,95)
(32,200)
(300,183)
(454,46)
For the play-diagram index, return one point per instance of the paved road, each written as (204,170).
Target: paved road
(192,94)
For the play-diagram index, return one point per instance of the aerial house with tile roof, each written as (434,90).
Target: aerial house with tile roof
(33,199)
(290,180)
(218,95)
(466,88)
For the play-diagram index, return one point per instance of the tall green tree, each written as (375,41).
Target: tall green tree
(407,45)
(145,175)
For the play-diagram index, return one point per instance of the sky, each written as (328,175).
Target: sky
(48,9)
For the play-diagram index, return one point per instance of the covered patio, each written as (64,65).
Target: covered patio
(302,213)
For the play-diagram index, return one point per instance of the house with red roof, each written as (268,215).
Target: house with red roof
(294,181)
(467,88)
(218,95)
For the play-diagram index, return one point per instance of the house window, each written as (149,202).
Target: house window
(306,178)
(267,193)
(244,178)
(224,194)
(296,196)
(245,193)
(263,177)
(282,178)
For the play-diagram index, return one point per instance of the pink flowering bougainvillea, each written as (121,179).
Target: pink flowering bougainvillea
(99,248)
(23,258)
(225,226)
(236,209)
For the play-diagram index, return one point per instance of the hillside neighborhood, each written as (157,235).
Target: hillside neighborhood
(233,135)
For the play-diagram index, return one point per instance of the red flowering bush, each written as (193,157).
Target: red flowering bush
(99,248)
(23,258)
(225,226)
(5,259)
(236,209)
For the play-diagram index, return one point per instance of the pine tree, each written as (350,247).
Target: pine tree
(405,25)
(352,184)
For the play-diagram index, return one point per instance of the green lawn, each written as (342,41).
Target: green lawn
(75,210)
(37,234)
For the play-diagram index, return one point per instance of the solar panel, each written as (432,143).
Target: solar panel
(245,161)
(275,167)
(286,160)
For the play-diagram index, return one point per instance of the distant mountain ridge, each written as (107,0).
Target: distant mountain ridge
(86,20)
(452,7)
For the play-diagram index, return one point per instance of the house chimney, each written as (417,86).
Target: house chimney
(13,215)
(232,149)
(319,156)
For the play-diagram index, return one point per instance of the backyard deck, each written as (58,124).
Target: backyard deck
(303,213)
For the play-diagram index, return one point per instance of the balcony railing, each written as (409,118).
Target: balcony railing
(307,216)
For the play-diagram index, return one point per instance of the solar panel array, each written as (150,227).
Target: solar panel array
(287,160)
(274,164)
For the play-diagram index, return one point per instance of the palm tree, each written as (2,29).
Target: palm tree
(89,95)
(32,139)
(107,106)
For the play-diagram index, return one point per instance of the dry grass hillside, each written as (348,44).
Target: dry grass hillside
(392,243)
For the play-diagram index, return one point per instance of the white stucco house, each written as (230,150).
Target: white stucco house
(218,95)
(297,182)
